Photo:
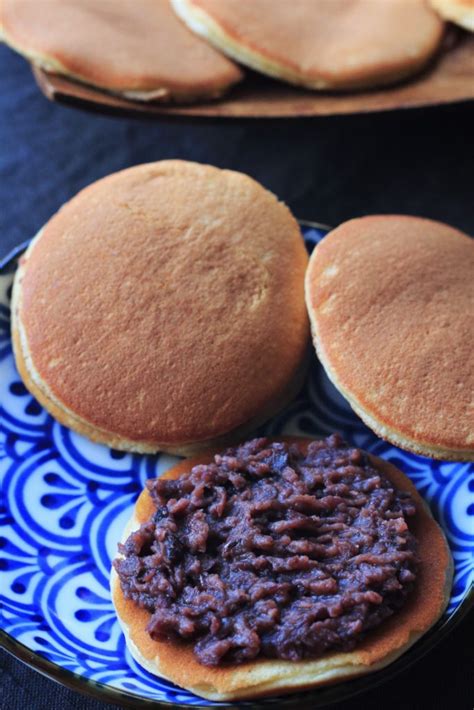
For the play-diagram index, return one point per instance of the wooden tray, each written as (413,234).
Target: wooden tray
(449,79)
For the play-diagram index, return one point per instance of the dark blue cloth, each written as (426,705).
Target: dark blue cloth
(327,169)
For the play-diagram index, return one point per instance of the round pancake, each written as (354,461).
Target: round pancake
(320,44)
(391,304)
(138,49)
(262,677)
(459,11)
(163,308)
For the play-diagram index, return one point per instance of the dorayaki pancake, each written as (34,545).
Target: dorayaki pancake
(391,304)
(261,676)
(459,11)
(136,48)
(163,308)
(320,44)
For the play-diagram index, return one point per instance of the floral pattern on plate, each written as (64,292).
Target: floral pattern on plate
(65,502)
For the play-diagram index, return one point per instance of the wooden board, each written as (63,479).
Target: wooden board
(449,79)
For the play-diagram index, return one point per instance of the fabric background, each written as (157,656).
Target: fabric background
(416,162)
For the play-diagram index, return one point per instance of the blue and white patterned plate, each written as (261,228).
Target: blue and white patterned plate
(65,502)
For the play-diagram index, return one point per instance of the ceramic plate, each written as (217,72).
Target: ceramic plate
(66,500)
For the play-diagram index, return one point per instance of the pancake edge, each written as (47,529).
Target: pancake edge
(263,677)
(455,12)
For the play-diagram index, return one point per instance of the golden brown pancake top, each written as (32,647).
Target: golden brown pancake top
(426,602)
(391,300)
(342,41)
(121,45)
(165,303)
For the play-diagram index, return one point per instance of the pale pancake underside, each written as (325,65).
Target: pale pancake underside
(256,328)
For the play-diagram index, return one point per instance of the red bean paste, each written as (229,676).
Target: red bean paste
(272,552)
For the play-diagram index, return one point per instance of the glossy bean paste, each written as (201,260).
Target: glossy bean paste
(272,552)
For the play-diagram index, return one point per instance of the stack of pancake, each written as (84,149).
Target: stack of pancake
(164,309)
(186,50)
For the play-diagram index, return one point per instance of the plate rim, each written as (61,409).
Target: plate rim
(107,693)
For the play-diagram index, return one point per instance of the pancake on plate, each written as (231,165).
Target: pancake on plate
(459,11)
(277,567)
(321,44)
(391,304)
(163,308)
(137,49)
